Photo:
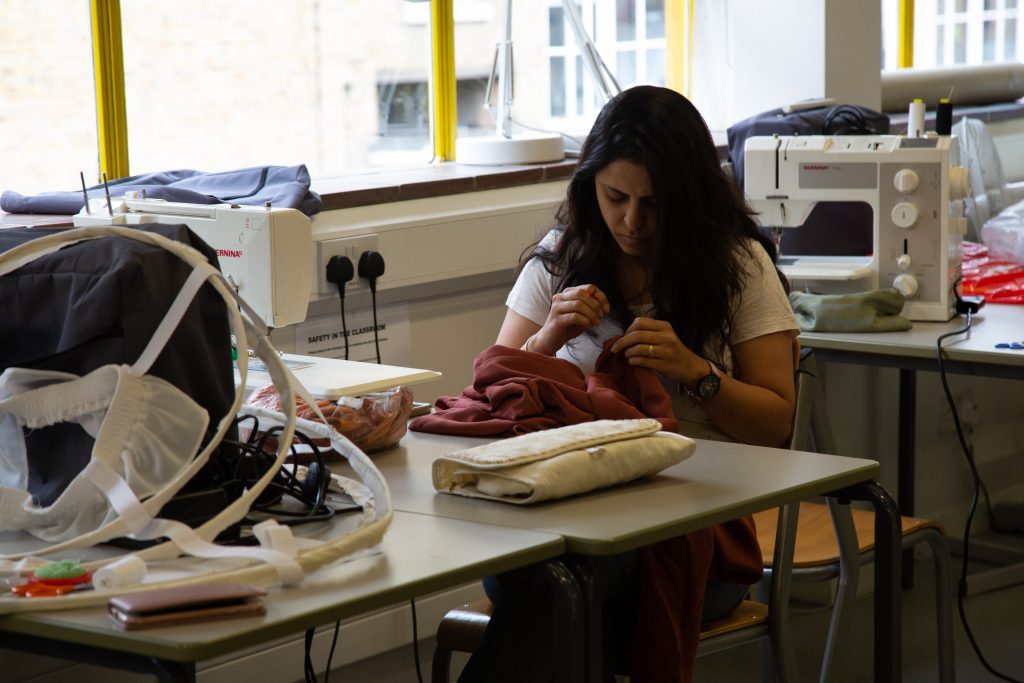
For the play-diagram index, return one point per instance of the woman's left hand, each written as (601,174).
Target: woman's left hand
(653,344)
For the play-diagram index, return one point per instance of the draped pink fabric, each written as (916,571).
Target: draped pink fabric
(515,392)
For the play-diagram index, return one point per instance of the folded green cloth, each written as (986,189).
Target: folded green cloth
(877,311)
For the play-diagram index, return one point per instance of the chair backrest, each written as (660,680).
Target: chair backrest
(811,428)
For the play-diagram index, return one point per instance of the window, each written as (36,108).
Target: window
(234,83)
(630,38)
(949,32)
(47,111)
(476,35)
(337,86)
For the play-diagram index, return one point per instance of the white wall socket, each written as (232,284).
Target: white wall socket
(347,246)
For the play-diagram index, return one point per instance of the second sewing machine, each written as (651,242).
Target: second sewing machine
(914,188)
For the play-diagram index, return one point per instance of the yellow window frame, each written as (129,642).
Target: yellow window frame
(906,28)
(108,65)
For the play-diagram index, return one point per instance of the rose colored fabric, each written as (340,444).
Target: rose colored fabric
(670,595)
(515,392)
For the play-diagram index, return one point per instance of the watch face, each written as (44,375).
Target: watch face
(708,387)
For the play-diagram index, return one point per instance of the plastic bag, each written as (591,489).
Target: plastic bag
(373,422)
(979,156)
(998,280)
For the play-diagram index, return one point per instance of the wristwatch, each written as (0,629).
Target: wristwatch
(707,386)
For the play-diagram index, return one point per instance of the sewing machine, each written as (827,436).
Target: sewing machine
(913,187)
(263,251)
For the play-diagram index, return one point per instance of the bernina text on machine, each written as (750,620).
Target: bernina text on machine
(914,188)
(263,251)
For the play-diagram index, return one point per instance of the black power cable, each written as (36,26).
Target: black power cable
(371,267)
(977,485)
(415,642)
(330,655)
(340,271)
(308,669)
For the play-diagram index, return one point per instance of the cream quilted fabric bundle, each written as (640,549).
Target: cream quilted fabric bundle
(561,462)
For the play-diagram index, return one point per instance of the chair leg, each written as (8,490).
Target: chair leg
(440,669)
(781,636)
(846,585)
(943,604)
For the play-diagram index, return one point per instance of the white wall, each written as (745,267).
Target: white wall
(751,56)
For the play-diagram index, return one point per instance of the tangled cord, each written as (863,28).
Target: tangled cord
(254,456)
(846,120)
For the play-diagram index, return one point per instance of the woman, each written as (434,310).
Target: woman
(656,246)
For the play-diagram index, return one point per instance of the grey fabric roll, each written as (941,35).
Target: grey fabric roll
(875,311)
(970,84)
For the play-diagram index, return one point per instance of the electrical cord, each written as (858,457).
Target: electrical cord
(978,487)
(330,655)
(340,271)
(846,120)
(415,642)
(308,669)
(254,456)
(371,267)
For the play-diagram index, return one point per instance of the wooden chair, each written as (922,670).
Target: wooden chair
(834,540)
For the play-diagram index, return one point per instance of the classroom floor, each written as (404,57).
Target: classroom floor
(994,617)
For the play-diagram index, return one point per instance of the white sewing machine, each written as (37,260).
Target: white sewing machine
(263,251)
(913,187)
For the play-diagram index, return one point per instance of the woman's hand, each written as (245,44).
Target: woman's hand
(573,311)
(653,344)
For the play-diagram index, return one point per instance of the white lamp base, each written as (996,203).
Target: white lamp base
(491,150)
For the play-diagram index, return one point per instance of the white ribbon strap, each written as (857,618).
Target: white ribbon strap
(188,291)
(144,527)
(120,495)
(275,536)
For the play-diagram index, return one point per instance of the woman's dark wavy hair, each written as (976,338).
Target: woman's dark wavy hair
(702,218)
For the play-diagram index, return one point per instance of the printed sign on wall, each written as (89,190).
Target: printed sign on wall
(323,336)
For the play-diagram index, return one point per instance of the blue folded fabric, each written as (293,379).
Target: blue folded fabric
(875,311)
(284,186)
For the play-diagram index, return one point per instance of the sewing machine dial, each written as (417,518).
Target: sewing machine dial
(905,181)
(905,284)
(904,215)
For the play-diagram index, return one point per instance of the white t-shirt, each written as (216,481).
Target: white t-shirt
(763,308)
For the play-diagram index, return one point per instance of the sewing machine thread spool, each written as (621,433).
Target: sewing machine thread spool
(915,119)
(944,117)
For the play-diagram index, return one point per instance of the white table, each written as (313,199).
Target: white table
(721,481)
(974,353)
(420,554)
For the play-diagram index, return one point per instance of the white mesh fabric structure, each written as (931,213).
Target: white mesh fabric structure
(137,518)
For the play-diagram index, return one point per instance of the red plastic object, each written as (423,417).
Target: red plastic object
(999,281)
(71,581)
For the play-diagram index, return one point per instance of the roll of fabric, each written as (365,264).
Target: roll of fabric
(875,311)
(969,84)
(128,571)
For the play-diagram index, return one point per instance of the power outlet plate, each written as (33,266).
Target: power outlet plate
(345,246)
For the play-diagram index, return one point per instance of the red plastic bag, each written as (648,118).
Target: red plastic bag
(999,281)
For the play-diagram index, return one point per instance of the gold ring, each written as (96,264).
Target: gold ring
(650,351)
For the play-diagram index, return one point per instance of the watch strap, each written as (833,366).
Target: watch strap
(714,375)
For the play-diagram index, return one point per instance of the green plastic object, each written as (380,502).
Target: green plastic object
(63,569)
